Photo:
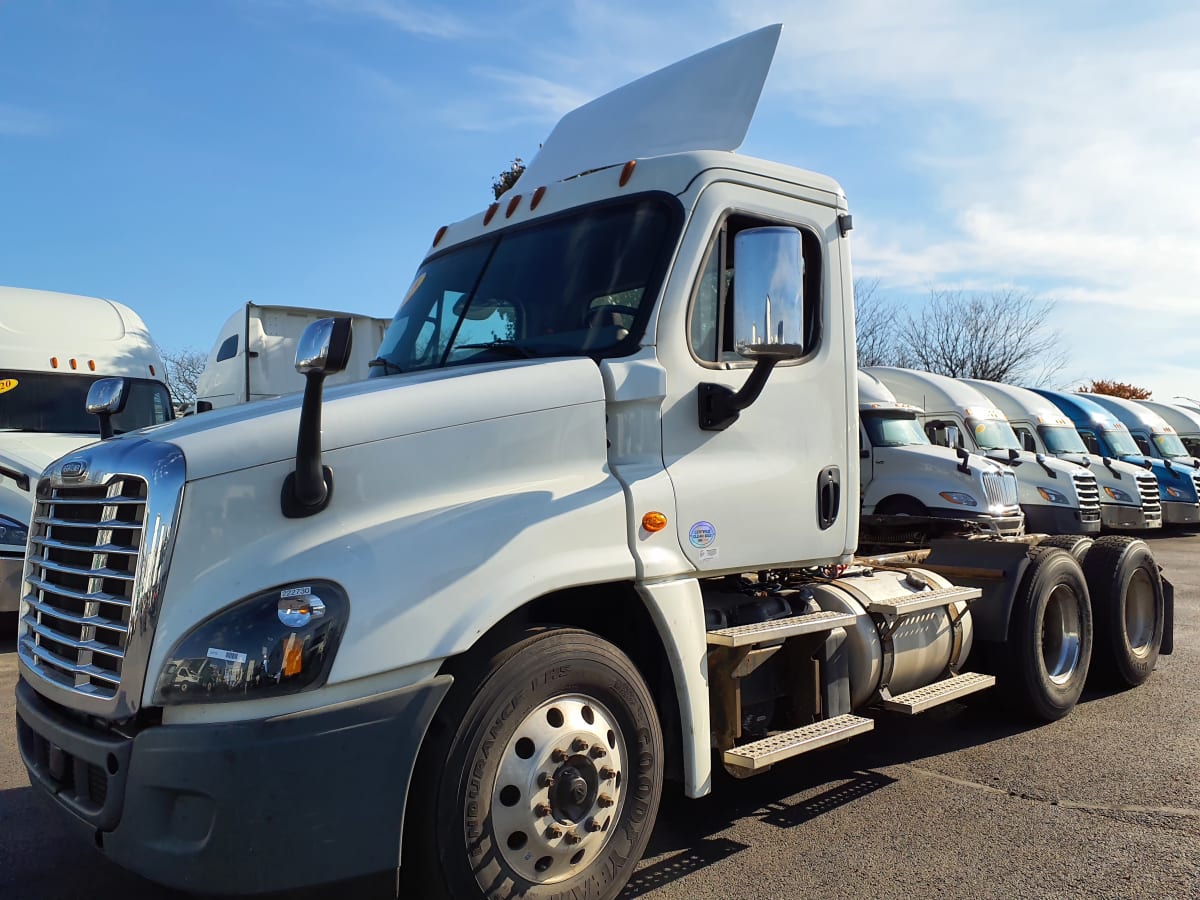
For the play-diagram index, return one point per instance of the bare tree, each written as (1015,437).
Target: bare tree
(1001,336)
(874,325)
(508,177)
(1115,389)
(183,371)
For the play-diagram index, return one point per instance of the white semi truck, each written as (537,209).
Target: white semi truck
(1128,493)
(255,352)
(902,474)
(53,347)
(592,525)
(1057,497)
(1154,436)
(1184,419)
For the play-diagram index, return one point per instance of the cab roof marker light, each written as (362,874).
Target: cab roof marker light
(491,213)
(512,206)
(74,363)
(54,362)
(152,370)
(537,198)
(627,173)
(92,366)
(441,233)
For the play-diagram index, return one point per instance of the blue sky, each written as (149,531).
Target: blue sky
(184,157)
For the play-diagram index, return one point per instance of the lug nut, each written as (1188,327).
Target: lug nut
(545,780)
(597,751)
(542,810)
(554,832)
(579,745)
(559,755)
(608,774)
(572,838)
(593,825)
(604,801)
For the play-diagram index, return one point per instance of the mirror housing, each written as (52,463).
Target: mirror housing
(324,349)
(105,399)
(768,317)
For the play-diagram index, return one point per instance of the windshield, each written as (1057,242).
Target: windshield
(993,434)
(1169,445)
(1061,439)
(1121,442)
(893,429)
(51,403)
(577,285)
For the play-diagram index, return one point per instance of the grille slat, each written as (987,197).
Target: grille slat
(1088,490)
(1000,488)
(1148,489)
(80,574)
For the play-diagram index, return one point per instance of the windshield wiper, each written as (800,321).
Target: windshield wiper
(510,347)
(389,368)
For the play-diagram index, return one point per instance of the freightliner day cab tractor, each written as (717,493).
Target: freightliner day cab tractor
(591,526)
(1155,437)
(1106,435)
(902,474)
(1184,419)
(255,354)
(53,347)
(1128,493)
(1057,497)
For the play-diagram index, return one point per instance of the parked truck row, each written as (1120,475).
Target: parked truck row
(590,525)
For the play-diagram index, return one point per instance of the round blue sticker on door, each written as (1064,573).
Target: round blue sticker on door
(702,535)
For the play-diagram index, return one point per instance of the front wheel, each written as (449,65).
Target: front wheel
(544,774)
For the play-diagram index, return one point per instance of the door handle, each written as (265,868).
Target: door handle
(829,496)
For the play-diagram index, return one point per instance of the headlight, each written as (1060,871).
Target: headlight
(13,532)
(278,642)
(1174,492)
(1117,494)
(958,498)
(1052,495)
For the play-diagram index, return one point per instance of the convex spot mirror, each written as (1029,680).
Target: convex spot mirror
(768,293)
(324,347)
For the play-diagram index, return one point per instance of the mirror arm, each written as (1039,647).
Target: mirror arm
(308,490)
(720,407)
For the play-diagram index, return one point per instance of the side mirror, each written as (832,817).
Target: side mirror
(105,399)
(203,406)
(324,349)
(768,317)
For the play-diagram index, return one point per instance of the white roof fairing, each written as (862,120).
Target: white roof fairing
(704,102)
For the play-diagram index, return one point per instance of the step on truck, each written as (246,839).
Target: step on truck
(1104,434)
(53,348)
(254,355)
(591,526)
(1057,497)
(902,474)
(1128,493)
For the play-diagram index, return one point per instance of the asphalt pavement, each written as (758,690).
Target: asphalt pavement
(963,801)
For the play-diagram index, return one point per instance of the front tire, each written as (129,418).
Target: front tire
(1129,606)
(543,775)
(1049,637)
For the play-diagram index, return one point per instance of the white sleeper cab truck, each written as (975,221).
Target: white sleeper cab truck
(1184,419)
(902,474)
(1154,436)
(53,348)
(1128,493)
(592,525)
(1057,497)
(255,354)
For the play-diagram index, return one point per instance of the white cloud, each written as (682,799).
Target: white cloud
(422,20)
(18,122)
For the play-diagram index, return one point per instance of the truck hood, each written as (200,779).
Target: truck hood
(1026,458)
(944,457)
(262,432)
(30,452)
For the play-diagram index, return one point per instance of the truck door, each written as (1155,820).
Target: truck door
(770,489)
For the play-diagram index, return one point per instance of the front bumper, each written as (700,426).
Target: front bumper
(1176,513)
(12,568)
(1045,519)
(238,808)
(1119,517)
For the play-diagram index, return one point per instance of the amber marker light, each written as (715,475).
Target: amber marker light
(627,173)
(152,370)
(654,521)
(537,198)
(54,362)
(74,364)
(491,212)
(92,364)
(512,206)
(441,233)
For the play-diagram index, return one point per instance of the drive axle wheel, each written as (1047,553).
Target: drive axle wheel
(1129,605)
(1049,636)
(544,774)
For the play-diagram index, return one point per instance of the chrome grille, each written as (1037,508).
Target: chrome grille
(1089,496)
(1148,490)
(1000,488)
(80,571)
(1196,483)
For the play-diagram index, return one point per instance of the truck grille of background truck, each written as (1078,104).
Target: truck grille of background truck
(79,579)
(1148,489)
(1089,496)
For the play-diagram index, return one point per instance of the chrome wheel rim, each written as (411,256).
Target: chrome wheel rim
(1061,634)
(559,788)
(1140,609)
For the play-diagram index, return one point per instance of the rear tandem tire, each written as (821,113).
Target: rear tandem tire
(556,703)
(1077,545)
(1049,637)
(1129,608)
